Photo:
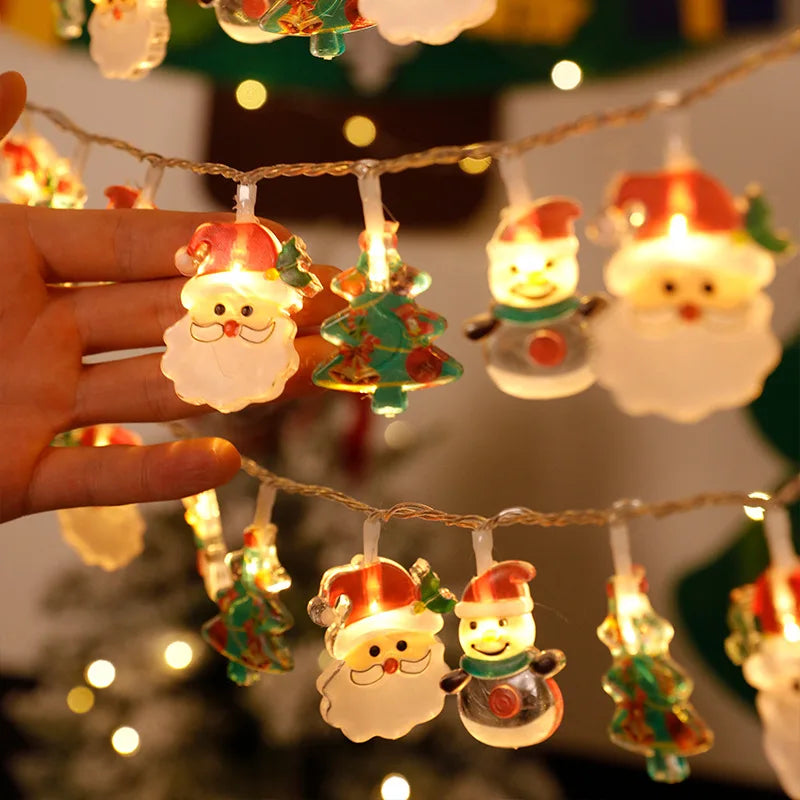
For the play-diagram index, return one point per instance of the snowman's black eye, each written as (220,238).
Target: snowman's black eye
(219,309)
(374,650)
(473,625)
(502,622)
(708,288)
(669,287)
(402,645)
(247,311)
(550,263)
(513,269)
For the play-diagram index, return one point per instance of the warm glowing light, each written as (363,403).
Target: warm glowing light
(636,219)
(395,787)
(100,674)
(80,700)
(360,131)
(678,226)
(398,435)
(566,75)
(756,513)
(791,630)
(475,166)
(125,741)
(251,94)
(178,654)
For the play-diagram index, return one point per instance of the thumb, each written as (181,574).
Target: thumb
(13,93)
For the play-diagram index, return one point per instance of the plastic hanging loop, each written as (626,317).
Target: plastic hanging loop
(482,544)
(79,158)
(512,171)
(677,150)
(152,180)
(369,187)
(246,202)
(264,505)
(620,538)
(372,533)
(778,533)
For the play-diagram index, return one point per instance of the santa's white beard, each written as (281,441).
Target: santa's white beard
(128,47)
(780,715)
(229,373)
(390,707)
(656,363)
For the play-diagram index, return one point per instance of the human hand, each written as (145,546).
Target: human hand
(12,100)
(46,330)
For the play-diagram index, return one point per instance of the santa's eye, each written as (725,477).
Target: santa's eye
(219,309)
(550,263)
(669,287)
(513,269)
(708,287)
(247,311)
(402,645)
(473,625)
(502,622)
(374,650)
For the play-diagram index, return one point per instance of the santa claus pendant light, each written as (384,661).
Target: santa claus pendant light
(765,639)
(245,584)
(385,339)
(124,196)
(235,345)
(239,19)
(381,624)
(506,693)
(33,174)
(128,38)
(689,332)
(653,715)
(427,21)
(535,336)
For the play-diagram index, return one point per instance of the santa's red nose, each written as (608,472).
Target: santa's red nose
(390,665)
(116,12)
(690,312)
(231,328)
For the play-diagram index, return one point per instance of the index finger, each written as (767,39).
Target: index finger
(13,93)
(114,244)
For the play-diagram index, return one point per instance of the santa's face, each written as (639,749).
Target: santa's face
(683,364)
(127,40)
(533,274)
(236,344)
(495,638)
(386,694)
(775,667)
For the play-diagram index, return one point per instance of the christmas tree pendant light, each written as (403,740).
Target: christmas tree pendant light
(33,174)
(689,332)
(507,695)
(535,336)
(235,345)
(324,21)
(109,537)
(426,21)
(765,639)
(384,337)
(240,18)
(653,715)
(70,17)
(387,661)
(251,622)
(128,38)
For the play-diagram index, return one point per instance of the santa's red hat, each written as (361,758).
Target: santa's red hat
(705,203)
(122,196)
(383,597)
(545,219)
(501,591)
(107,434)
(222,246)
(764,599)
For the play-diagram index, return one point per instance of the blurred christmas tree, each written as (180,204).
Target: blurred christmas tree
(200,735)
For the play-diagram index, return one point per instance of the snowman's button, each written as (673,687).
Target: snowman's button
(547,348)
(504,701)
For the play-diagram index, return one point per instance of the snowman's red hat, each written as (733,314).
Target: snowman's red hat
(224,246)
(544,219)
(500,591)
(705,203)
(383,597)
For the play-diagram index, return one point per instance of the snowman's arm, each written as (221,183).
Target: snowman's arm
(480,327)
(548,663)
(454,681)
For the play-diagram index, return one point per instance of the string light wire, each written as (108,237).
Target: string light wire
(780,48)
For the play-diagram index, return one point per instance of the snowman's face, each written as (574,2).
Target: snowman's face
(533,274)
(495,638)
(390,651)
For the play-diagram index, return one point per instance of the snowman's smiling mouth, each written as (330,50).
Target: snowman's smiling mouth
(490,652)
